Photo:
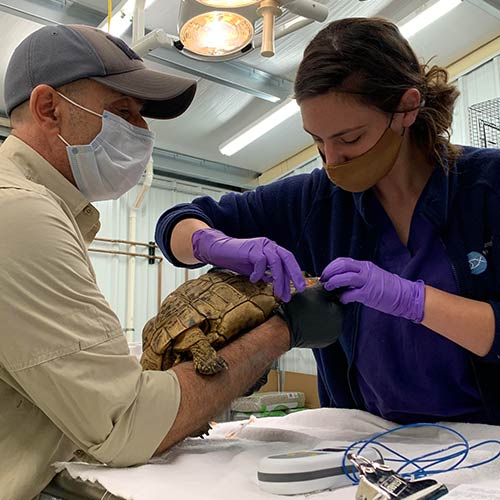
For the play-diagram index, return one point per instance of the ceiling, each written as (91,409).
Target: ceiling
(229,96)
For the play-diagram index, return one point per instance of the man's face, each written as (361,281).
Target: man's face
(80,127)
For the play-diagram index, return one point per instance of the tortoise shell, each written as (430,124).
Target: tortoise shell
(200,316)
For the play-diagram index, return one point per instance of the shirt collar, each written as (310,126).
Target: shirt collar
(36,169)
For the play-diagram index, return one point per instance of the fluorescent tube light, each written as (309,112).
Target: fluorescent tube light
(264,125)
(428,16)
(122,20)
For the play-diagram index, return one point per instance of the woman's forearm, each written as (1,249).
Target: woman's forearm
(180,241)
(468,323)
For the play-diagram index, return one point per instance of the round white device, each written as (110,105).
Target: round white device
(306,471)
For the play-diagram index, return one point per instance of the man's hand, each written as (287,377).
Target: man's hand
(202,398)
(372,286)
(314,317)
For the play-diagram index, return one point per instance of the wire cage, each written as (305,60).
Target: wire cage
(484,124)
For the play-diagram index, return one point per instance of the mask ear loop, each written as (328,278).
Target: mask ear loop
(390,123)
(421,105)
(79,105)
(323,157)
(64,140)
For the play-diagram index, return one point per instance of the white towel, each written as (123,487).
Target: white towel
(218,468)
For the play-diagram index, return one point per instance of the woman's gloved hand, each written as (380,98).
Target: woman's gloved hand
(259,258)
(372,286)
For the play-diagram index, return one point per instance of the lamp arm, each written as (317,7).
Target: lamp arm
(268,9)
(284,29)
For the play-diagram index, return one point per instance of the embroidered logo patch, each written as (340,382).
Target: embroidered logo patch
(477,262)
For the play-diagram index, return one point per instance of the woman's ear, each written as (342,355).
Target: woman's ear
(409,106)
(45,108)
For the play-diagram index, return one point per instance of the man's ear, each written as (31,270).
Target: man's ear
(45,109)
(409,106)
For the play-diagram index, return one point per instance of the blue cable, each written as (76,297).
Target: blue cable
(425,464)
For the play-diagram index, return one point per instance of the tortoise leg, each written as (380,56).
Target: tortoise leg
(205,358)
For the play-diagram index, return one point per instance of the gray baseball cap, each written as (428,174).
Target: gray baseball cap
(57,55)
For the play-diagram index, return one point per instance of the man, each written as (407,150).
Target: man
(76,97)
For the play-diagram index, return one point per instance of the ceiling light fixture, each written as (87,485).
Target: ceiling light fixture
(259,128)
(220,30)
(216,33)
(428,16)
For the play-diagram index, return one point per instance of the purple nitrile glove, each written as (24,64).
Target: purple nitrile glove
(372,286)
(259,258)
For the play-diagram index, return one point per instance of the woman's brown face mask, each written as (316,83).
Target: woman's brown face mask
(363,172)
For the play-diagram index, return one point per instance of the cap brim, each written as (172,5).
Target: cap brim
(165,96)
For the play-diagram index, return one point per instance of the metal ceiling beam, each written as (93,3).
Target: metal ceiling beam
(230,74)
(199,170)
(51,12)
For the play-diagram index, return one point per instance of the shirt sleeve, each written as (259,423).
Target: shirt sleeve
(277,211)
(63,346)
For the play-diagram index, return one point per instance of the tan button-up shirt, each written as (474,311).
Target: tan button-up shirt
(67,380)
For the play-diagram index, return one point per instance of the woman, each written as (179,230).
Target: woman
(401,222)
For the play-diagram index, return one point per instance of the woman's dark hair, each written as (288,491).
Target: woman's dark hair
(369,59)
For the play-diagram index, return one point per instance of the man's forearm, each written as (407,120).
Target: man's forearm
(180,241)
(203,397)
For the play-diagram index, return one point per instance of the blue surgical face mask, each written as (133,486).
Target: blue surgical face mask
(114,161)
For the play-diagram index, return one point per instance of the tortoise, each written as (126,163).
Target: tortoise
(200,316)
